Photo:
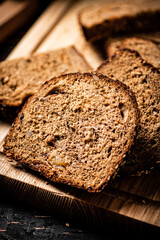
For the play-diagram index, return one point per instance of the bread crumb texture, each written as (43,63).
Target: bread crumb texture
(21,78)
(149,50)
(76,129)
(144,81)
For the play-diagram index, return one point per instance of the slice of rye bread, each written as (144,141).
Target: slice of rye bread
(21,78)
(113,44)
(110,19)
(144,80)
(149,50)
(75,130)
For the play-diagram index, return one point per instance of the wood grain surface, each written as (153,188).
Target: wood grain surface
(133,201)
(35,36)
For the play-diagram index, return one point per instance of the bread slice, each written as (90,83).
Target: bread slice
(113,44)
(144,81)
(148,49)
(109,19)
(21,78)
(75,130)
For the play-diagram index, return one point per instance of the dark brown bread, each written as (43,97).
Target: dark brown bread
(106,20)
(144,81)
(148,49)
(21,78)
(76,130)
(113,44)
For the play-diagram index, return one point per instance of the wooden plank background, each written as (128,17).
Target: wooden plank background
(133,201)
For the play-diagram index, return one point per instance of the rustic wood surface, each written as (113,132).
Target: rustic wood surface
(35,36)
(128,201)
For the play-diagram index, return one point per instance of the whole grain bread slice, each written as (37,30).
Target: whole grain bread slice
(144,80)
(75,130)
(21,78)
(113,44)
(110,19)
(148,49)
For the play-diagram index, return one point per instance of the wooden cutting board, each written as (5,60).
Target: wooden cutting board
(129,202)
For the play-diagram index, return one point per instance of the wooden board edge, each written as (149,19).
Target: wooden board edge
(35,36)
(81,212)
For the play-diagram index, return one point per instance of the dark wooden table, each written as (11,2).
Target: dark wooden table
(20,221)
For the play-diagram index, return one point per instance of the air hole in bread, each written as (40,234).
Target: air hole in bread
(13,87)
(21,117)
(106,104)
(152,142)
(144,81)
(50,143)
(57,137)
(155,110)
(55,90)
(123,111)
(109,151)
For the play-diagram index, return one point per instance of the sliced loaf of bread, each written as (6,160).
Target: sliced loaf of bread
(109,19)
(144,81)
(75,130)
(148,49)
(21,78)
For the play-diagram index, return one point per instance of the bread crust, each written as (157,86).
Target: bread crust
(119,52)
